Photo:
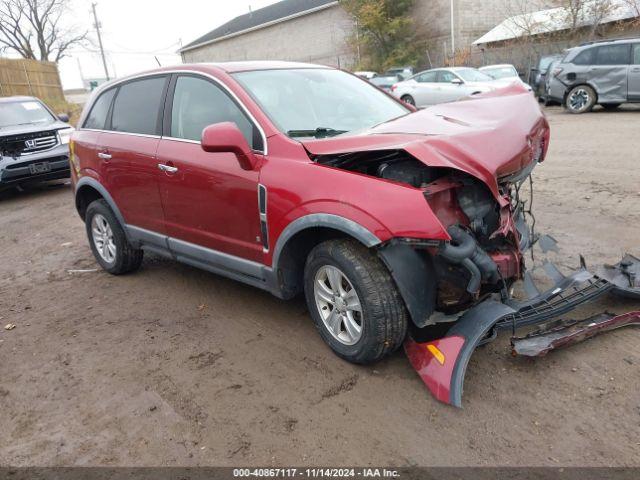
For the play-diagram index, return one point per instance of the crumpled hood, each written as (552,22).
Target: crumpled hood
(489,136)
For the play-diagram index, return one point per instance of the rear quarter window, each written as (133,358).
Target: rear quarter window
(586,57)
(136,108)
(97,117)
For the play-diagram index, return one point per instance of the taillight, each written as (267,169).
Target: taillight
(394,87)
(557,71)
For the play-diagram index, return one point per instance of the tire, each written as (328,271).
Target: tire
(580,99)
(610,106)
(408,99)
(114,254)
(382,317)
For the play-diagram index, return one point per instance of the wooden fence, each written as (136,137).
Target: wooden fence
(30,77)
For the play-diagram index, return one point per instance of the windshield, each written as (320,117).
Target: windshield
(501,72)
(318,102)
(23,113)
(472,75)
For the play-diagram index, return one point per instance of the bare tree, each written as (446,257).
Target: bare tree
(584,17)
(33,29)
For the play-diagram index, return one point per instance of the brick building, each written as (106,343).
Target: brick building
(318,31)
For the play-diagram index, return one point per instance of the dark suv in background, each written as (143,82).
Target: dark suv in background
(34,142)
(605,73)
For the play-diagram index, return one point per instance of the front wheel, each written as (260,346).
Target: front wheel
(580,99)
(354,302)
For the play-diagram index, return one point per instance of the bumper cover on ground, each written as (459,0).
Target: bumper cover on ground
(442,363)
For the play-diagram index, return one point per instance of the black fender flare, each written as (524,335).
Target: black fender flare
(415,278)
(96,185)
(314,220)
(327,220)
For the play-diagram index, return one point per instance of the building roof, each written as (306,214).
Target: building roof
(264,17)
(557,19)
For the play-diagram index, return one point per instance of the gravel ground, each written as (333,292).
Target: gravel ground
(175,366)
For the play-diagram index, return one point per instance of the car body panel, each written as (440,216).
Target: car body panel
(203,200)
(633,81)
(131,175)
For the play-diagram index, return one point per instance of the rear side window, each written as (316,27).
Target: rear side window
(613,55)
(586,57)
(98,116)
(445,76)
(428,77)
(636,54)
(198,103)
(137,106)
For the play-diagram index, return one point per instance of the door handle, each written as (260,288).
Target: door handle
(167,168)
(104,156)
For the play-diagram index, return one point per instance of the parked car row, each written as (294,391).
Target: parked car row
(440,85)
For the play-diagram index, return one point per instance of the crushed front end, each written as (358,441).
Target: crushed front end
(472,162)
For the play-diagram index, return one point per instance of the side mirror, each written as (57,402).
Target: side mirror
(456,81)
(63,117)
(227,137)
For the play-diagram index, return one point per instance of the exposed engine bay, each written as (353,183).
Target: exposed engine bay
(485,254)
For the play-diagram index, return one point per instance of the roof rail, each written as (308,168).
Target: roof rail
(604,40)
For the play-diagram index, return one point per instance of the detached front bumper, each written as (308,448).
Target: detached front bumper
(442,363)
(49,165)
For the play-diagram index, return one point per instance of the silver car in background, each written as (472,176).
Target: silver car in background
(505,73)
(603,73)
(441,85)
(385,82)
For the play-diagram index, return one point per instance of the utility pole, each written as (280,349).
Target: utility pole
(453,36)
(97,25)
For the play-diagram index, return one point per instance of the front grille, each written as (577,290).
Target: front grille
(28,143)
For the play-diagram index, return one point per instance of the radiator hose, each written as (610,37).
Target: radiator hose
(466,252)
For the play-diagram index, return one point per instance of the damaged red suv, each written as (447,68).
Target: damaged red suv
(302,179)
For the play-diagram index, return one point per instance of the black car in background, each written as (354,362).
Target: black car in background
(34,142)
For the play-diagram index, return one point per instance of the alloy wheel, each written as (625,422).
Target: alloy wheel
(338,304)
(103,238)
(579,99)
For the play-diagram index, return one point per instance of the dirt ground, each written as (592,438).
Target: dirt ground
(175,366)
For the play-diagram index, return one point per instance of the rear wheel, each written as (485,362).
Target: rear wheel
(408,99)
(580,99)
(353,301)
(108,242)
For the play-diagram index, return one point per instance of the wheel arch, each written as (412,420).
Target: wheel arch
(89,189)
(301,236)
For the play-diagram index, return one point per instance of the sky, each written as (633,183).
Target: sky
(135,31)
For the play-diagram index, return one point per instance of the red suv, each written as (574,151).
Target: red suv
(298,178)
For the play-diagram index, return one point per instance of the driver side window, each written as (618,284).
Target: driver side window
(198,103)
